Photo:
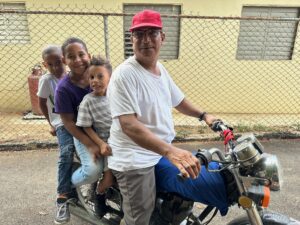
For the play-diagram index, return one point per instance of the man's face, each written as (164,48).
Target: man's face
(146,43)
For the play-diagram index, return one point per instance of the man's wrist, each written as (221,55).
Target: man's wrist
(166,150)
(202,116)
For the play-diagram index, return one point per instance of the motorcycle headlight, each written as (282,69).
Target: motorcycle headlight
(268,167)
(248,150)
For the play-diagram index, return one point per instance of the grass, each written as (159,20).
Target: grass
(296,126)
(240,128)
(183,132)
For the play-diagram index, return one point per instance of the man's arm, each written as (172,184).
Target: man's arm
(44,109)
(187,108)
(104,147)
(188,165)
(68,121)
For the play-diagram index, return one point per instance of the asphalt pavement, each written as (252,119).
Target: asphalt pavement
(28,184)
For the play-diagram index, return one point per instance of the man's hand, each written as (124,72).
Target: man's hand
(209,119)
(52,131)
(105,149)
(185,161)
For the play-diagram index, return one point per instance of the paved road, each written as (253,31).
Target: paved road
(28,180)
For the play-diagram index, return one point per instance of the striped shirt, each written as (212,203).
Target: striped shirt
(94,111)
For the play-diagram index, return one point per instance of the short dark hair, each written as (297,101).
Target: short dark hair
(100,61)
(72,40)
(51,49)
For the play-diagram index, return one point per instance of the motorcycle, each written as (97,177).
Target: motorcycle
(250,175)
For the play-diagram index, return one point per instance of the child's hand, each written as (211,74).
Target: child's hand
(105,149)
(94,149)
(52,131)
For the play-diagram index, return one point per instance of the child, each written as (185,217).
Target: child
(52,57)
(69,93)
(95,118)
(52,60)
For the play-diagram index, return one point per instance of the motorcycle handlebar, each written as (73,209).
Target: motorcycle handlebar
(219,126)
(204,157)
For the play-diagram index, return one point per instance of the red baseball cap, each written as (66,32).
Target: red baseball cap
(146,18)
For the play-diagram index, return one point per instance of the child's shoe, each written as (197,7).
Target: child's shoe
(62,211)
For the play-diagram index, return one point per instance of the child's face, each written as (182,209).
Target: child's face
(53,63)
(76,58)
(99,78)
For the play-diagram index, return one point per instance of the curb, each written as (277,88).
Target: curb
(27,146)
(34,145)
(260,136)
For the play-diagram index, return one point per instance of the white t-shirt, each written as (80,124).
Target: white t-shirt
(134,90)
(46,89)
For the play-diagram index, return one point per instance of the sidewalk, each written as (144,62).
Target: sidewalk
(32,132)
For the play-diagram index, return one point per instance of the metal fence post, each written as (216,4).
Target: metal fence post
(106,39)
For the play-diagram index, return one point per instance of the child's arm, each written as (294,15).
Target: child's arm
(104,147)
(68,121)
(44,109)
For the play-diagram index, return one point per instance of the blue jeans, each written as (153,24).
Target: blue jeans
(90,170)
(208,188)
(65,160)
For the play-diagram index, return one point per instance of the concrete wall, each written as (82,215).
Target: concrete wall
(195,71)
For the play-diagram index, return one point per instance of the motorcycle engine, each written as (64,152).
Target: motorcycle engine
(172,208)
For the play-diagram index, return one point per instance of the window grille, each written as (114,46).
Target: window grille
(264,39)
(13,27)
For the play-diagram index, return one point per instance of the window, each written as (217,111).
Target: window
(171,26)
(266,39)
(13,27)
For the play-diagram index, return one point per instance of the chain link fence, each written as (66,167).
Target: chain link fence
(243,70)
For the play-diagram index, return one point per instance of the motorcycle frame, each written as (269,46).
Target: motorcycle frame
(252,212)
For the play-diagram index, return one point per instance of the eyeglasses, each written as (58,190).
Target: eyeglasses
(152,33)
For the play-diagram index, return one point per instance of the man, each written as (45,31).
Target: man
(142,95)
